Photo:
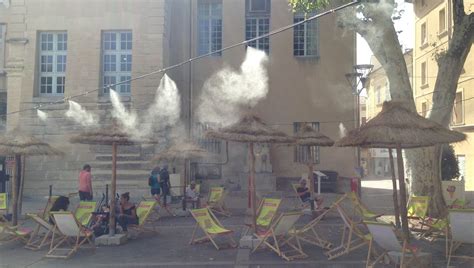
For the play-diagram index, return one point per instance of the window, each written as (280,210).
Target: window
(424,109)
(305,37)
(442,21)
(52,62)
(306,154)
(423,36)
(424,74)
(117,60)
(210,26)
(2,46)
(211,145)
(458,110)
(257,23)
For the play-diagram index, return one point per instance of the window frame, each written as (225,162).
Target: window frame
(423,35)
(53,78)
(3,36)
(424,74)
(259,19)
(114,49)
(442,31)
(300,154)
(210,17)
(312,25)
(211,145)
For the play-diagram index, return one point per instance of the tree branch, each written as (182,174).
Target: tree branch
(458,11)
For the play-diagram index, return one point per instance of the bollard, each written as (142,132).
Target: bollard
(106,194)
(50,191)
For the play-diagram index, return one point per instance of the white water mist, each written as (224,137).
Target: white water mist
(127,119)
(228,91)
(42,115)
(80,115)
(342,130)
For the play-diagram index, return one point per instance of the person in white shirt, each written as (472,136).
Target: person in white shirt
(192,195)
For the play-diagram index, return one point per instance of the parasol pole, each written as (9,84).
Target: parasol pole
(114,190)
(22,183)
(252,188)
(15,192)
(395,192)
(403,196)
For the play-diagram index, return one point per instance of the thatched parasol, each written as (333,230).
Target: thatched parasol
(17,144)
(183,150)
(308,137)
(110,136)
(396,127)
(251,129)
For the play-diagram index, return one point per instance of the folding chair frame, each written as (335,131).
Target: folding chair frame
(82,237)
(12,233)
(276,243)
(38,240)
(299,203)
(259,210)
(148,219)
(219,205)
(418,222)
(453,245)
(352,237)
(210,237)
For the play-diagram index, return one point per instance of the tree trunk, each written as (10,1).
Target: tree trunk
(253,194)
(22,184)
(425,171)
(403,195)
(14,184)
(396,206)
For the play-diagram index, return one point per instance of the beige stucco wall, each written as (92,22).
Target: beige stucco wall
(437,42)
(299,89)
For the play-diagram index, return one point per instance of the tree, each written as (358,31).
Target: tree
(449,164)
(374,22)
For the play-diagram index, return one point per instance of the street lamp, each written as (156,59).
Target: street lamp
(357,81)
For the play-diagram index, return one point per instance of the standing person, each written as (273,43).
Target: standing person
(165,181)
(85,183)
(154,183)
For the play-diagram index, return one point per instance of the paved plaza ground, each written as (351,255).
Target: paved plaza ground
(170,247)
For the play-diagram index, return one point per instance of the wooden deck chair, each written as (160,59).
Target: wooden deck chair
(216,201)
(417,212)
(461,231)
(10,233)
(266,212)
(384,235)
(360,209)
(352,236)
(67,230)
(309,233)
(84,211)
(212,228)
(146,221)
(279,236)
(49,204)
(41,234)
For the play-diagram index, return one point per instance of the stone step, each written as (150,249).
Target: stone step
(123,165)
(123,175)
(122,149)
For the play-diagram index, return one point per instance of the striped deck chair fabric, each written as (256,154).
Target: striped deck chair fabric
(417,211)
(84,211)
(216,201)
(68,230)
(144,211)
(461,230)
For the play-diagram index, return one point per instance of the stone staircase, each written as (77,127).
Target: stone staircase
(133,167)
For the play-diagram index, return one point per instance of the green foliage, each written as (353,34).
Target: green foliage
(308,6)
(449,164)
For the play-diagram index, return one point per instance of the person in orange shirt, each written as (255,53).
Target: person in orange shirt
(85,184)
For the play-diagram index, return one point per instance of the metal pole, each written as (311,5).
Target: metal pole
(106,194)
(50,191)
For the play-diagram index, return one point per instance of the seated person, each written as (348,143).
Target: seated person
(61,204)
(192,195)
(128,212)
(100,222)
(305,195)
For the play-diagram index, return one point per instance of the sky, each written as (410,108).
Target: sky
(406,37)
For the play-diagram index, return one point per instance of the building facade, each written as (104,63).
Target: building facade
(378,91)
(433,30)
(55,49)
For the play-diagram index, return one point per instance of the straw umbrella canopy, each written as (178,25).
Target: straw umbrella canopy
(251,129)
(110,136)
(17,144)
(397,127)
(183,150)
(308,137)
